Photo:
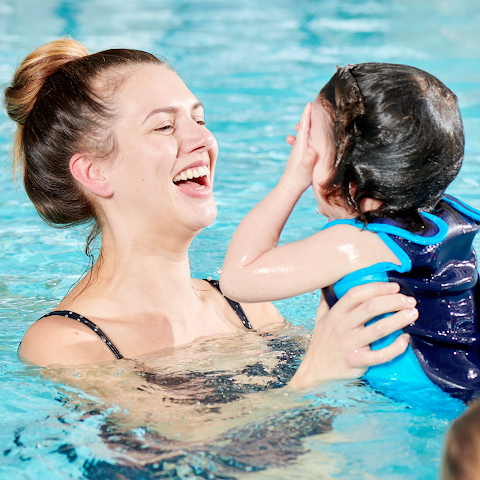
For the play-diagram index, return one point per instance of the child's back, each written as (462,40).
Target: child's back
(438,268)
(385,142)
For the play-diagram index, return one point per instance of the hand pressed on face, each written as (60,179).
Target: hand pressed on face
(320,139)
(297,176)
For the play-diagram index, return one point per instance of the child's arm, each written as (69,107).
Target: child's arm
(256,270)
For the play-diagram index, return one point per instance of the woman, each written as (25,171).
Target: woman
(118,139)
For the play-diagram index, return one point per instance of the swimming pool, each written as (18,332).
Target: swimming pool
(254,68)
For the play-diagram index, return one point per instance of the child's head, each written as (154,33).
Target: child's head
(396,136)
(462,449)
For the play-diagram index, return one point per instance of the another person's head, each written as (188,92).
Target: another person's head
(117,123)
(462,449)
(391,133)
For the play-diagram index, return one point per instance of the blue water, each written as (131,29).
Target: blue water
(254,65)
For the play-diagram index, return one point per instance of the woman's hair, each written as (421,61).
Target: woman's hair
(398,138)
(462,448)
(62,99)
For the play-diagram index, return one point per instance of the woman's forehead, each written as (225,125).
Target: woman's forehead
(153,86)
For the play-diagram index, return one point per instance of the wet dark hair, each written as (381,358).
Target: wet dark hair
(61,98)
(398,138)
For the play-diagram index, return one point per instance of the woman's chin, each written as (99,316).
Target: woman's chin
(202,215)
(210,215)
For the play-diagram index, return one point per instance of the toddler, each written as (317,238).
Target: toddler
(379,145)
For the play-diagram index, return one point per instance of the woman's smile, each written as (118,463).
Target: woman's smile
(194,179)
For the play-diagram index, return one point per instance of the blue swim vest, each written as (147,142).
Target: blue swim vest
(438,268)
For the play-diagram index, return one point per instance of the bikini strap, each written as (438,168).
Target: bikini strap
(80,318)
(235,305)
(89,324)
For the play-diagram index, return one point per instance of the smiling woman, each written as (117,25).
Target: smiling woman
(116,138)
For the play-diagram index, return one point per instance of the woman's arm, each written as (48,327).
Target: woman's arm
(340,346)
(262,315)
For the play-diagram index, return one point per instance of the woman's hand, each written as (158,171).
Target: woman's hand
(297,176)
(340,346)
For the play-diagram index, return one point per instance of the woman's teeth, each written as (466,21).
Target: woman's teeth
(191,173)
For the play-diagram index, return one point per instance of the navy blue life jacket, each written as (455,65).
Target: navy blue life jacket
(438,268)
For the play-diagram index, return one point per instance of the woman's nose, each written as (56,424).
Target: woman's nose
(196,138)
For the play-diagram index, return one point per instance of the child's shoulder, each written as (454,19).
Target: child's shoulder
(355,247)
(347,229)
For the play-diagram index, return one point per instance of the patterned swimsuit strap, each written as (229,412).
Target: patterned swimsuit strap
(80,318)
(236,306)
(89,324)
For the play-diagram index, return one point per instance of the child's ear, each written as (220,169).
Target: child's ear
(370,204)
(86,170)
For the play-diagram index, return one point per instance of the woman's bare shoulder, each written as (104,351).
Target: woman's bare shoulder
(262,314)
(57,340)
(259,314)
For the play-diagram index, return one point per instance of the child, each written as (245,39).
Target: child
(380,145)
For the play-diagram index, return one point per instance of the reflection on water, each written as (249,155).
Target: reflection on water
(221,408)
(274,441)
(211,409)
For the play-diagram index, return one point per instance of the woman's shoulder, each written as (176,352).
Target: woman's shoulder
(58,340)
(262,314)
(258,315)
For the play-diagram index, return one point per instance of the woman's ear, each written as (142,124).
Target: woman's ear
(86,171)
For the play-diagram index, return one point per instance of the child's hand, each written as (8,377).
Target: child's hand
(298,172)
(290,138)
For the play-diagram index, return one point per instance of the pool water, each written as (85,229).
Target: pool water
(218,408)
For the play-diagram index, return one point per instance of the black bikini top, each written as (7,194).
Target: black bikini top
(80,318)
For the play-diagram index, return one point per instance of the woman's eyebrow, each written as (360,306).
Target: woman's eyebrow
(170,110)
(198,105)
(160,110)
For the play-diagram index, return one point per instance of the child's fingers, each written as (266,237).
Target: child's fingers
(309,157)
(369,358)
(304,127)
(300,145)
(290,139)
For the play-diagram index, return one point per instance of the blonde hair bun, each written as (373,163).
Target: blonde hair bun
(29,78)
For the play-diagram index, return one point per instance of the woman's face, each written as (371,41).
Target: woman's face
(163,173)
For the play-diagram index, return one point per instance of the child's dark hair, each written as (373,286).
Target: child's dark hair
(398,138)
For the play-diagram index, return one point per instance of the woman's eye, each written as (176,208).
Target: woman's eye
(202,122)
(165,128)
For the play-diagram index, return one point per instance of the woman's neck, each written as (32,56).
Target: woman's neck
(139,272)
